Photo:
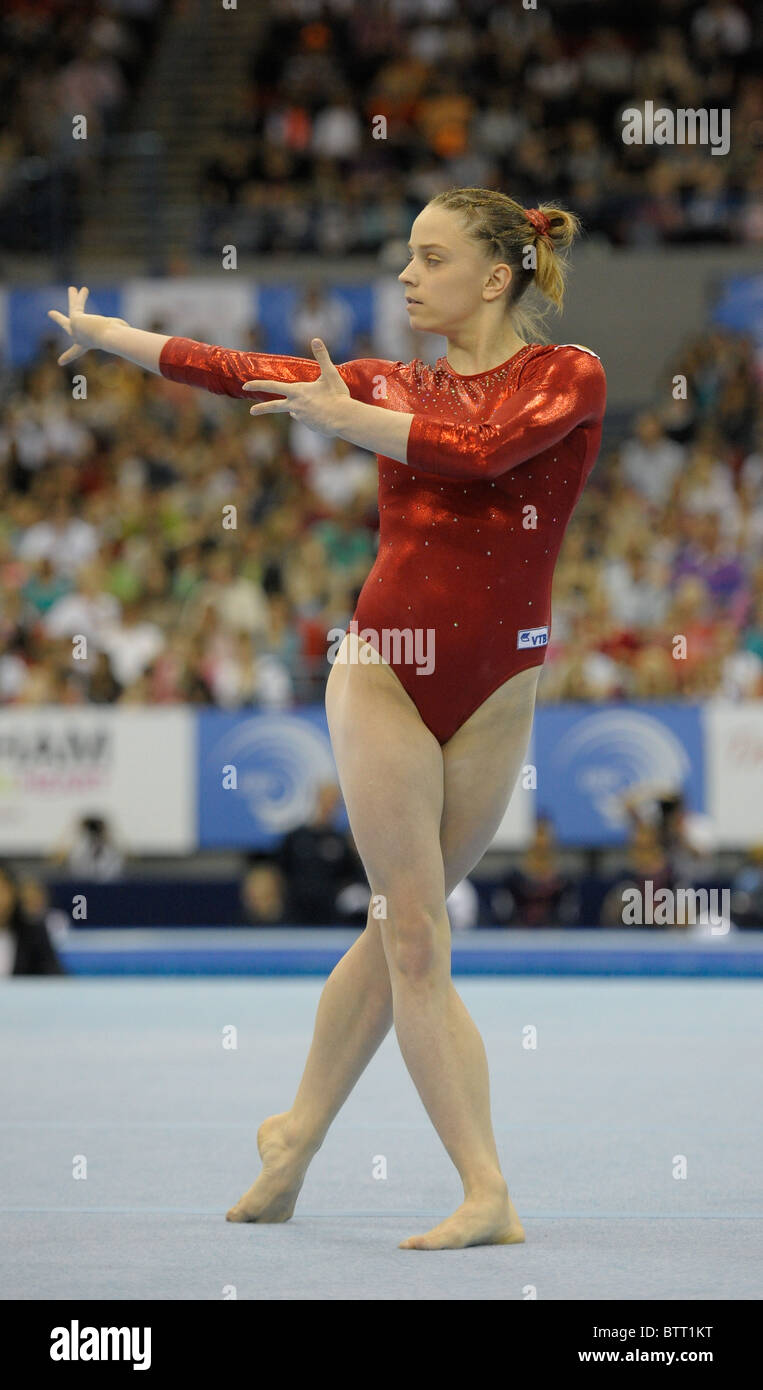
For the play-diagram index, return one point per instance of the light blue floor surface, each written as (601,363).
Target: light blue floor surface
(629,1136)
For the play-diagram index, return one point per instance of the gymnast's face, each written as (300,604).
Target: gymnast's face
(449,275)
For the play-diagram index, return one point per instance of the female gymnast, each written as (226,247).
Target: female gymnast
(481,462)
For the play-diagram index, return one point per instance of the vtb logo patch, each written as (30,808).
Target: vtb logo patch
(532,637)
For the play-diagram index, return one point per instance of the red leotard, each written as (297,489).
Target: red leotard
(471,526)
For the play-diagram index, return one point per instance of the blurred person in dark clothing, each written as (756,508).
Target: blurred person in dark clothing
(34,899)
(687,837)
(25,946)
(747,890)
(318,862)
(263,895)
(104,688)
(646,860)
(538,893)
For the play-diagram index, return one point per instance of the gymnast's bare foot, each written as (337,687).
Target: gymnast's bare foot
(273,1196)
(488,1219)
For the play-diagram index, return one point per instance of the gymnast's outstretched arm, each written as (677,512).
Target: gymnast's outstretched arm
(559,391)
(218,369)
(562,388)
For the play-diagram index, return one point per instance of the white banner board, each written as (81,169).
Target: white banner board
(734,771)
(134,767)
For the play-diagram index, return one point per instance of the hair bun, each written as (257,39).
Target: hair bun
(539,220)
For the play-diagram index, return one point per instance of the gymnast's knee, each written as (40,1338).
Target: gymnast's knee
(416,937)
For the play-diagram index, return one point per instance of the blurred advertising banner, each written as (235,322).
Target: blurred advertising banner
(171,780)
(224,312)
(734,757)
(207,309)
(589,755)
(259,774)
(581,761)
(133,767)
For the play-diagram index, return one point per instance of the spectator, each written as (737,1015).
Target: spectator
(25,944)
(45,587)
(91,851)
(103,689)
(339,474)
(321,316)
(741,672)
(66,540)
(646,861)
(263,895)
(747,890)
(651,462)
(34,900)
(317,862)
(87,610)
(131,643)
(687,838)
(537,893)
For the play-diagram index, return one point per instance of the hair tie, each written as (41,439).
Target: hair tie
(539,220)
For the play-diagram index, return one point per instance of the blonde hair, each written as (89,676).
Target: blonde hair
(502,226)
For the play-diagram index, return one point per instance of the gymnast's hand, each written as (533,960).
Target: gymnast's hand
(316,403)
(87,330)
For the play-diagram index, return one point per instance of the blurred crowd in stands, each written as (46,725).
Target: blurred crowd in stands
(528,100)
(473,93)
(111,530)
(59,60)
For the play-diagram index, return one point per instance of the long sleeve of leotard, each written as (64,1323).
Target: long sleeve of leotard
(557,391)
(224,370)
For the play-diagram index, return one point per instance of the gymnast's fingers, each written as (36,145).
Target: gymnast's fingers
(271,408)
(282,387)
(60,318)
(71,354)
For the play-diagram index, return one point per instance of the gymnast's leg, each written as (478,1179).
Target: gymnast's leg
(355,1011)
(449,1065)
(394,776)
(354,1017)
